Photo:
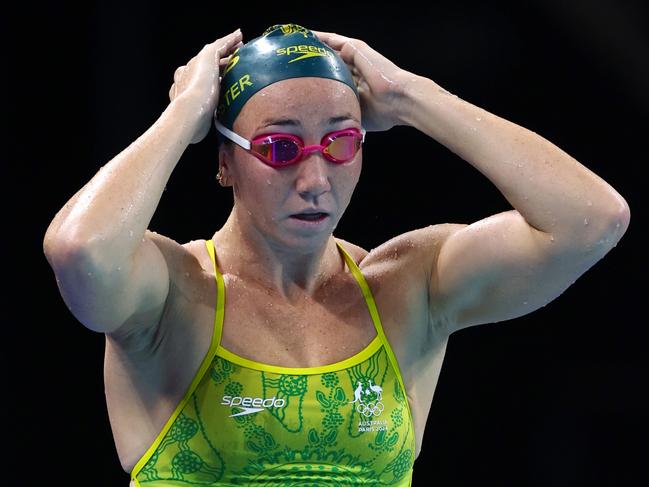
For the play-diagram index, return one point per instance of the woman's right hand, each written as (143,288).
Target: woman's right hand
(197,83)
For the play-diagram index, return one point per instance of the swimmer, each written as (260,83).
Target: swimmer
(273,351)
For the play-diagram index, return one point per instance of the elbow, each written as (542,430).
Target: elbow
(617,221)
(623,215)
(65,245)
(63,253)
(612,227)
(86,286)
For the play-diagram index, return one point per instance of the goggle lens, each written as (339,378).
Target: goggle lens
(277,150)
(343,147)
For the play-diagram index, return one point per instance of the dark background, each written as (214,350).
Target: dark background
(554,398)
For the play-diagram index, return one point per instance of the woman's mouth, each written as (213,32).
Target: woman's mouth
(310,219)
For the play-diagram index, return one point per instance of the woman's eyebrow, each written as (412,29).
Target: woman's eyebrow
(342,118)
(280,121)
(296,123)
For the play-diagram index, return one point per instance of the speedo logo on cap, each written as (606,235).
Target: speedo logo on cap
(251,405)
(305,50)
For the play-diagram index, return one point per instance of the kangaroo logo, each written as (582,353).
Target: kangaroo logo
(363,399)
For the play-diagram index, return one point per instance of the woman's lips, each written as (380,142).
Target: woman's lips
(310,218)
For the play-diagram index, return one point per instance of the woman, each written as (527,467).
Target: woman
(321,364)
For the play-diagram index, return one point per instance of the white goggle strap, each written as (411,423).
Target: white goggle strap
(236,138)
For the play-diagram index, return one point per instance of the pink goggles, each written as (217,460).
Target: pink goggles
(281,150)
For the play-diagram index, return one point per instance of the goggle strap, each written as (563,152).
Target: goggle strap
(237,139)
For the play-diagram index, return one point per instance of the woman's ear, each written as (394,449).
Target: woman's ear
(225,158)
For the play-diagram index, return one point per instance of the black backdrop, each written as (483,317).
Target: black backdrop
(554,398)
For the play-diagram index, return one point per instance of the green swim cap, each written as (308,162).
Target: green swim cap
(283,51)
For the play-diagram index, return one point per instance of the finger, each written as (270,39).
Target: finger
(221,47)
(178,73)
(226,59)
(335,41)
(227,44)
(345,47)
(224,54)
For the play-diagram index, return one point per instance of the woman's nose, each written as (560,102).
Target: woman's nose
(313,174)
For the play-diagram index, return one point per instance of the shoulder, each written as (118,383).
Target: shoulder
(356,252)
(416,250)
(402,275)
(179,257)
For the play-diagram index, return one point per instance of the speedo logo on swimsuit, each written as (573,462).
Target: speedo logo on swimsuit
(306,51)
(251,405)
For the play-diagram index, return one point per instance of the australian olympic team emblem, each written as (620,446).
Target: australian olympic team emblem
(368,399)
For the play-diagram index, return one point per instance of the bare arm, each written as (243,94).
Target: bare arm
(565,217)
(107,264)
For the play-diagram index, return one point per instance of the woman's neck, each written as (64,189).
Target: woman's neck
(292,272)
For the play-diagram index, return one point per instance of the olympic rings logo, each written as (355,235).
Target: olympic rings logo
(370,408)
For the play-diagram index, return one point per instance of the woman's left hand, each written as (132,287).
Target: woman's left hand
(381,83)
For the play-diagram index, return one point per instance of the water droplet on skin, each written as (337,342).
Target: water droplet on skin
(477,119)
(551,238)
(268,182)
(589,203)
(119,268)
(130,233)
(525,302)
(585,221)
(617,225)
(519,164)
(90,274)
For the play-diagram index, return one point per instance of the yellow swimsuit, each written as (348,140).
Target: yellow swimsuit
(243,422)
